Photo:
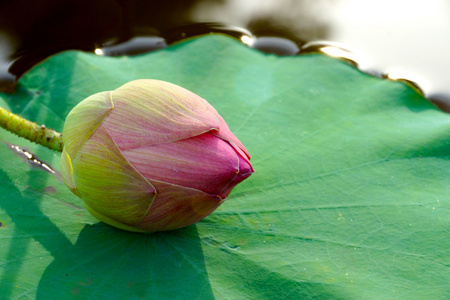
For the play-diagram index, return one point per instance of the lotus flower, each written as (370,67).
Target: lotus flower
(150,156)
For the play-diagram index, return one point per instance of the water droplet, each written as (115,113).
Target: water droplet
(409,78)
(248,40)
(332,49)
(134,46)
(275,45)
(191,30)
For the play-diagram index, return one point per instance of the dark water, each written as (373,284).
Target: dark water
(392,39)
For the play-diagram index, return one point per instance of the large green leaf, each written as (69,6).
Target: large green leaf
(349,199)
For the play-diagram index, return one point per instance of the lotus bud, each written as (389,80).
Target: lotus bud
(150,156)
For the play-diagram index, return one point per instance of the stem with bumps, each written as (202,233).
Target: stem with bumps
(38,134)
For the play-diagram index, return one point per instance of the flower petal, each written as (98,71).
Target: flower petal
(84,119)
(67,173)
(225,133)
(245,170)
(177,207)
(108,184)
(204,162)
(152,112)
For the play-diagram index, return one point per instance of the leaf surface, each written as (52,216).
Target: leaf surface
(349,199)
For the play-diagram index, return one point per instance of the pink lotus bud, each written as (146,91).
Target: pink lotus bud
(150,156)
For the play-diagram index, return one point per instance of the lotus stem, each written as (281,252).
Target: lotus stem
(31,131)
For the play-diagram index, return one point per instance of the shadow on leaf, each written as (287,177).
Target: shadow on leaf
(106,263)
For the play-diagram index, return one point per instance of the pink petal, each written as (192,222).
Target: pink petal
(225,133)
(176,207)
(205,163)
(149,112)
(245,170)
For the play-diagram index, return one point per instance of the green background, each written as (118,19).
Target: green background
(349,199)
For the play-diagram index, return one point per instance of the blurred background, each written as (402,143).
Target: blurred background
(404,38)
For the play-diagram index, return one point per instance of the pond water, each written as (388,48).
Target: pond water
(407,39)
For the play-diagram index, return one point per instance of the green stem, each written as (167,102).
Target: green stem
(38,134)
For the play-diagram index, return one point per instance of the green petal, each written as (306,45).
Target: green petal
(67,173)
(111,221)
(84,119)
(108,183)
